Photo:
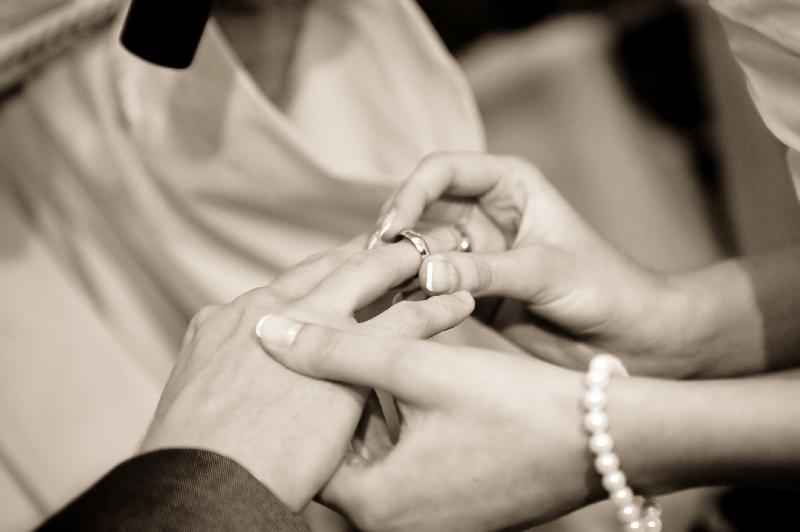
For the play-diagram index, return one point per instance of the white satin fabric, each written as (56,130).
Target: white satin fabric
(131,195)
(764,35)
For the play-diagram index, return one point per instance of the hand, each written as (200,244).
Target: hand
(530,245)
(488,439)
(286,429)
(493,440)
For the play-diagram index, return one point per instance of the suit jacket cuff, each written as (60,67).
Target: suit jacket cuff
(177,489)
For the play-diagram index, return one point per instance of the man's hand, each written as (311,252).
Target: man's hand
(288,430)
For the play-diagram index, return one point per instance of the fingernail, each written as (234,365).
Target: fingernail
(385,223)
(373,241)
(440,277)
(386,205)
(277,331)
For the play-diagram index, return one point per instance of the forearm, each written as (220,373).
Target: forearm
(674,435)
(738,317)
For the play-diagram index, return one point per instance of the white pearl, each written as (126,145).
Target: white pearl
(595,421)
(651,508)
(634,525)
(602,442)
(652,525)
(628,514)
(597,379)
(605,363)
(622,497)
(606,463)
(614,481)
(595,399)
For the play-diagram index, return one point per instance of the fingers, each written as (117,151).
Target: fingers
(371,440)
(359,492)
(298,281)
(516,273)
(422,319)
(365,276)
(464,175)
(200,317)
(390,364)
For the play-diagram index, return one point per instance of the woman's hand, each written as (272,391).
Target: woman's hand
(530,245)
(288,430)
(491,440)
(488,439)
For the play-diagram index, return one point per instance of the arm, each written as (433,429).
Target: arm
(677,435)
(177,489)
(738,316)
(237,434)
(477,423)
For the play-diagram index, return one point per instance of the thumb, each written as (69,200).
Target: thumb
(519,273)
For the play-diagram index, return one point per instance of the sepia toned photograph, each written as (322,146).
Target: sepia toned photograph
(400,265)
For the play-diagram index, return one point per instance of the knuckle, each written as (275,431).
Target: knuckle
(441,161)
(483,274)
(256,301)
(203,315)
(326,258)
(368,261)
(512,163)
(412,315)
(319,353)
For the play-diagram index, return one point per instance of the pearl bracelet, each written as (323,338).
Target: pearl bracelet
(634,512)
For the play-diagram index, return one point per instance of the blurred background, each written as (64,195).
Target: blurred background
(635,110)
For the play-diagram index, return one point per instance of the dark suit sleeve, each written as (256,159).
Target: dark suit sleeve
(177,489)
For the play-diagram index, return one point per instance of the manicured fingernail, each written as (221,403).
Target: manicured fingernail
(373,241)
(440,277)
(277,331)
(385,223)
(386,205)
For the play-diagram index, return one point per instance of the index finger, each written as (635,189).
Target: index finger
(464,175)
(397,365)
(366,276)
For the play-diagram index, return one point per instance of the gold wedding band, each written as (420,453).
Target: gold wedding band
(416,240)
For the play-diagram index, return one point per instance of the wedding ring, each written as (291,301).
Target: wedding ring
(464,242)
(416,240)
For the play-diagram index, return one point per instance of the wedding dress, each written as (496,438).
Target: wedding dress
(131,195)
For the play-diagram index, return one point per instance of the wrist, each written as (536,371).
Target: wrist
(275,462)
(675,435)
(715,326)
(657,334)
(584,484)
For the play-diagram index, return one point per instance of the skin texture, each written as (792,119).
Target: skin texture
(491,440)
(289,430)
(570,294)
